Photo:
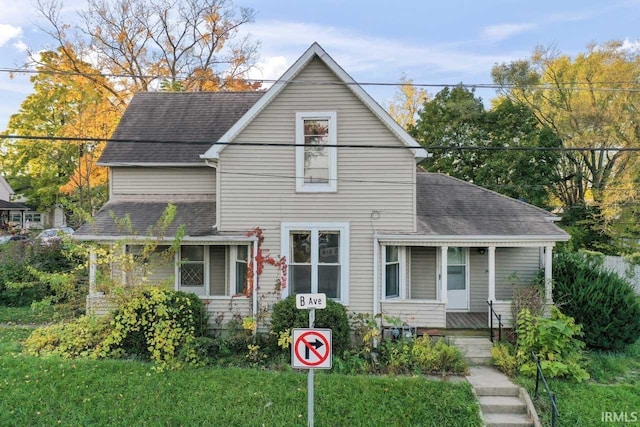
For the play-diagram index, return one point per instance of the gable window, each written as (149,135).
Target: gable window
(318,258)
(316,154)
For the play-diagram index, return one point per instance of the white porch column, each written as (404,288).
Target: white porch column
(443,273)
(93,261)
(548,275)
(254,292)
(492,273)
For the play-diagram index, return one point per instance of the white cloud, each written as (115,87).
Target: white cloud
(9,32)
(21,46)
(271,68)
(378,57)
(630,46)
(504,31)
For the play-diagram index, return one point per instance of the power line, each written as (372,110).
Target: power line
(287,144)
(544,86)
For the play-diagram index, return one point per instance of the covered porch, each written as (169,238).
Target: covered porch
(437,283)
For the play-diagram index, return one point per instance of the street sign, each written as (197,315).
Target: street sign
(311,349)
(309,301)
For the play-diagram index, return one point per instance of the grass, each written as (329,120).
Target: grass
(614,387)
(25,315)
(53,391)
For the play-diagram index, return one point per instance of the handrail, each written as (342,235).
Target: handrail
(500,325)
(552,397)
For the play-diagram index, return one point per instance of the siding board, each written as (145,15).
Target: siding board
(148,181)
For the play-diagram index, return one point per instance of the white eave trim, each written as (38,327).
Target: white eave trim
(150,164)
(315,50)
(185,239)
(471,238)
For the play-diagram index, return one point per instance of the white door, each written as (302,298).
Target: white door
(457,284)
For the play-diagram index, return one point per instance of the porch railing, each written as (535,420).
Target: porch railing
(498,317)
(552,397)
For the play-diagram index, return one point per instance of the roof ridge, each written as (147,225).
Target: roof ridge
(262,91)
(528,205)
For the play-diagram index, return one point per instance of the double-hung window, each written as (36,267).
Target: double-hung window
(318,259)
(394,272)
(316,152)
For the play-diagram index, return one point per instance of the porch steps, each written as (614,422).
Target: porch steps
(502,403)
(475,350)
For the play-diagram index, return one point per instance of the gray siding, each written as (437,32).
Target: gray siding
(479,278)
(217,270)
(149,181)
(248,201)
(423,273)
(523,261)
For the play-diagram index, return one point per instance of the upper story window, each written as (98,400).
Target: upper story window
(316,154)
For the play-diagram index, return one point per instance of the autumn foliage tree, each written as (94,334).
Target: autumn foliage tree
(59,171)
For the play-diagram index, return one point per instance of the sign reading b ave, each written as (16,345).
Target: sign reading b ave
(309,301)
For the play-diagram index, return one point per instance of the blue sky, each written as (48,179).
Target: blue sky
(435,42)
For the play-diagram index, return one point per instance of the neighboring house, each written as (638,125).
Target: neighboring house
(358,222)
(13,210)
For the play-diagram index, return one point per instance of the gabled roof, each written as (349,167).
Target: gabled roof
(316,51)
(448,206)
(198,217)
(174,127)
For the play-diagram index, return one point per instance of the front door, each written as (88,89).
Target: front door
(457,283)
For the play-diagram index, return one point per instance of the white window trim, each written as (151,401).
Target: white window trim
(206,263)
(332,185)
(402,274)
(233,255)
(314,227)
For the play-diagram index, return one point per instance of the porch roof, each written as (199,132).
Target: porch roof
(198,217)
(10,206)
(452,208)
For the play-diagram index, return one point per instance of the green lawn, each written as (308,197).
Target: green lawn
(54,391)
(25,315)
(614,387)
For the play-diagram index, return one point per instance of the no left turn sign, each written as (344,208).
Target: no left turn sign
(311,349)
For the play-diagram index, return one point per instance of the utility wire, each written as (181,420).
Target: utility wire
(545,86)
(287,144)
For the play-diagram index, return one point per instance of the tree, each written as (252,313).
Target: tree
(50,172)
(192,45)
(406,102)
(456,118)
(587,101)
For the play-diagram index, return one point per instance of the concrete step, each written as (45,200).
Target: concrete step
(502,405)
(507,420)
(478,360)
(497,390)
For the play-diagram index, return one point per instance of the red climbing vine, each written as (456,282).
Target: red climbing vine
(263,257)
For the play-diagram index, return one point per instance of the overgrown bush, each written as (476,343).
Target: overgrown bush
(555,342)
(286,316)
(504,358)
(82,337)
(42,273)
(155,324)
(600,300)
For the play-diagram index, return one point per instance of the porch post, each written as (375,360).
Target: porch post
(548,275)
(254,292)
(492,273)
(92,271)
(443,273)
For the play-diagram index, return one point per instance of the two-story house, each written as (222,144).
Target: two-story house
(332,181)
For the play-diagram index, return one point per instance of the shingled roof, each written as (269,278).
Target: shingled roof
(451,207)
(5,205)
(190,122)
(198,217)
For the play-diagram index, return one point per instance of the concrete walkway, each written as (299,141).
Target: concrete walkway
(502,403)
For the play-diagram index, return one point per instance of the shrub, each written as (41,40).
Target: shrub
(600,300)
(504,358)
(286,316)
(554,340)
(155,324)
(82,337)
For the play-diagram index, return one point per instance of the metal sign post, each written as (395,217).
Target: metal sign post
(311,348)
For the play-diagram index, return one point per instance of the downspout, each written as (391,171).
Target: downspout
(376,255)
(254,263)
